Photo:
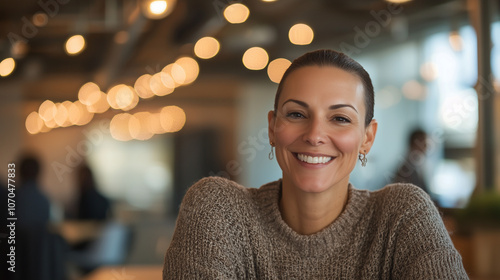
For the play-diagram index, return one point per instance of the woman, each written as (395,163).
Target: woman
(312,224)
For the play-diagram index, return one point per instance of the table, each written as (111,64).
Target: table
(127,272)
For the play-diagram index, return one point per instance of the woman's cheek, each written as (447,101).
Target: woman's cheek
(347,141)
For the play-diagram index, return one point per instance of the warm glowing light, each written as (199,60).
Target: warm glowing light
(66,105)
(157,85)
(75,45)
(255,58)
(140,126)
(397,1)
(155,122)
(126,98)
(277,68)
(157,9)
(178,74)
(167,80)
(189,67)
(101,105)
(301,34)
(122,97)
(456,41)
(236,13)
(206,47)
(268,0)
(414,90)
(172,118)
(40,19)
(50,123)
(119,127)
(7,66)
(429,71)
(61,114)
(142,86)
(34,123)
(89,94)
(111,96)
(74,113)
(47,110)
(85,116)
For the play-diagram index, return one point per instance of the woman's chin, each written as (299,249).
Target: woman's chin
(312,185)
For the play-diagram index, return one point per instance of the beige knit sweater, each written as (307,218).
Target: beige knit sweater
(226,231)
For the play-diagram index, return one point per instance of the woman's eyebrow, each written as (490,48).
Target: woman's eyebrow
(337,106)
(333,107)
(301,103)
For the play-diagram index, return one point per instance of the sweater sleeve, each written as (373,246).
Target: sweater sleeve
(204,242)
(423,248)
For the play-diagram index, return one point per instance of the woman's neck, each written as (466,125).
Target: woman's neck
(308,213)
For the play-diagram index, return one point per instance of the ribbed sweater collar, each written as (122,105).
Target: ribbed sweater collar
(334,236)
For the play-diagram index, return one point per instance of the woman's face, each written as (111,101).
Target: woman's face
(319,128)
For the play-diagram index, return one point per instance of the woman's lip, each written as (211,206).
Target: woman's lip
(312,155)
(313,165)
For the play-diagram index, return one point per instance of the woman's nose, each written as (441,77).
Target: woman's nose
(315,133)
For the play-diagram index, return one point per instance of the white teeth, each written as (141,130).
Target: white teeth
(313,160)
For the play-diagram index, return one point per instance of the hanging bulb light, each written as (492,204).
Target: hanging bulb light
(157,9)
(236,13)
(75,45)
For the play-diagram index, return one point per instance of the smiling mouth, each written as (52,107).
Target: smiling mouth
(313,160)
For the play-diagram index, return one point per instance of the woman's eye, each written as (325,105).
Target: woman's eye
(341,119)
(295,115)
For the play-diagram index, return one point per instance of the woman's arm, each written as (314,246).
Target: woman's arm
(204,242)
(423,248)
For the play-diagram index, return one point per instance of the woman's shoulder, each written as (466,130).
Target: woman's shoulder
(215,192)
(402,197)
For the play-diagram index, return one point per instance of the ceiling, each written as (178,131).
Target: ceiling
(48,72)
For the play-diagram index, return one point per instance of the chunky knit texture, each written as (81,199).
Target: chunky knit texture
(226,231)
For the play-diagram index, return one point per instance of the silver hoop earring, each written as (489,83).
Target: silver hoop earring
(271,153)
(363,159)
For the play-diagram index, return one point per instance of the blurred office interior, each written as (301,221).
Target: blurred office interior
(154,95)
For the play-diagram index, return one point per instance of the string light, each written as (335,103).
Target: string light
(236,13)
(206,47)
(75,45)
(301,34)
(277,68)
(189,67)
(255,58)
(157,9)
(7,66)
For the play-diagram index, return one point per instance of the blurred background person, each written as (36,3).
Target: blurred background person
(33,206)
(40,252)
(411,170)
(91,204)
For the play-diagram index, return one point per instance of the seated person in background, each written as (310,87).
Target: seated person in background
(33,206)
(91,204)
(412,169)
(312,223)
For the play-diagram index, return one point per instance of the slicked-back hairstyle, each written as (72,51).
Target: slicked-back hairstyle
(334,59)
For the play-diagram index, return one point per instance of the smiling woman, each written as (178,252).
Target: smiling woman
(313,223)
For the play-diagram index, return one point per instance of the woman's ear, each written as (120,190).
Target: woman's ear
(271,118)
(369,137)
